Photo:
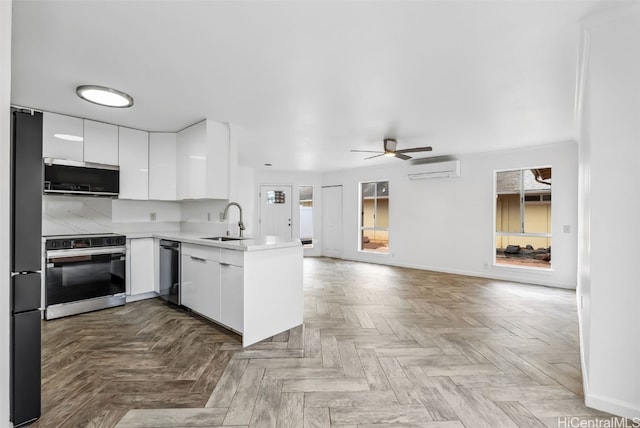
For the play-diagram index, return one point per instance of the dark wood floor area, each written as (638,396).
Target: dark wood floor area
(380,346)
(97,366)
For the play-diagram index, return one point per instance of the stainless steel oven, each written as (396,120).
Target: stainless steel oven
(84,273)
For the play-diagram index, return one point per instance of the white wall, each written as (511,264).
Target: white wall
(609,284)
(447,224)
(135,216)
(244,195)
(5,168)
(294,179)
(204,217)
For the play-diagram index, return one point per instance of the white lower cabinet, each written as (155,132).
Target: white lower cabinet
(200,288)
(140,269)
(232,296)
(213,284)
(255,293)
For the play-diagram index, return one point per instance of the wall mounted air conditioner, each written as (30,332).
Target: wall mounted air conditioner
(448,169)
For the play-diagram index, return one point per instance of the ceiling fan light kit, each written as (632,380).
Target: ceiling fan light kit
(389,145)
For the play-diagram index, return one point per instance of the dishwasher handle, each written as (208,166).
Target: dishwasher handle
(170,245)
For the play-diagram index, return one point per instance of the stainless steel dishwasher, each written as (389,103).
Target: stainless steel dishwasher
(170,271)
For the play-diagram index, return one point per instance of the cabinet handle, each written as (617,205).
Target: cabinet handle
(224,264)
(197,259)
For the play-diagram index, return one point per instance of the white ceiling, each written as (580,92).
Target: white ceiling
(307,81)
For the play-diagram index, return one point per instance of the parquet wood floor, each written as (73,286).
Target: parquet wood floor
(97,366)
(380,346)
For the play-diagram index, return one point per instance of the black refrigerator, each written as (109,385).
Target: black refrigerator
(26,260)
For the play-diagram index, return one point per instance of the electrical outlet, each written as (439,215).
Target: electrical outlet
(566,228)
(208,216)
(485,265)
(152,216)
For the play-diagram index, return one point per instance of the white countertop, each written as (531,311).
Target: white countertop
(246,244)
(139,235)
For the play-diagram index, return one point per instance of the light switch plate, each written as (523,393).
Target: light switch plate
(152,216)
(566,228)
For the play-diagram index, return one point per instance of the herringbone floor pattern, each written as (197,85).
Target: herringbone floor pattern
(97,366)
(380,346)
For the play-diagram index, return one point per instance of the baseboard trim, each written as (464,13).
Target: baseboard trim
(615,407)
(479,274)
(142,296)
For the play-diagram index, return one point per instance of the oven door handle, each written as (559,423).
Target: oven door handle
(86,252)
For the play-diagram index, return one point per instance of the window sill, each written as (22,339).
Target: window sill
(373,252)
(534,270)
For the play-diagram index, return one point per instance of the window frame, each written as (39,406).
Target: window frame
(496,233)
(362,228)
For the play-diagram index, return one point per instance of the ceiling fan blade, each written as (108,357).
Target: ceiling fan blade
(374,156)
(401,156)
(366,151)
(415,149)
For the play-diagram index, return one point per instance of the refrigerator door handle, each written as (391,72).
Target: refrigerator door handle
(25,272)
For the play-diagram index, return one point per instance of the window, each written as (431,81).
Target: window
(374,220)
(306,215)
(523,217)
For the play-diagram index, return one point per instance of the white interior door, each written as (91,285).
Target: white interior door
(332,221)
(275,211)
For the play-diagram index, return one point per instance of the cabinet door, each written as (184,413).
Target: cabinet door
(192,162)
(133,155)
(201,286)
(217,160)
(62,137)
(210,301)
(141,271)
(232,296)
(162,166)
(190,271)
(100,142)
(203,152)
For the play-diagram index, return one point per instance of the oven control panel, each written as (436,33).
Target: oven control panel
(84,241)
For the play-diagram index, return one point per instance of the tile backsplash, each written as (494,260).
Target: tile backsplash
(63,215)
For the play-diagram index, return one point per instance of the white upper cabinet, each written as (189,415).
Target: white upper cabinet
(218,160)
(162,166)
(203,161)
(100,142)
(133,155)
(62,137)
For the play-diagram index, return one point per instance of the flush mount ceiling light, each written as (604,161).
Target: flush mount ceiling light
(104,96)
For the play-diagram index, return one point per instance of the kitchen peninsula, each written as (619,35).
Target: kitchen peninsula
(252,286)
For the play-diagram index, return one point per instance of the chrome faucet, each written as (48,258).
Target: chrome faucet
(240,223)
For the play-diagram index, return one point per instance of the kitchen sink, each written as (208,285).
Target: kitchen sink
(223,238)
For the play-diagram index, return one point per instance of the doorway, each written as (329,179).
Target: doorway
(332,221)
(275,212)
(306,215)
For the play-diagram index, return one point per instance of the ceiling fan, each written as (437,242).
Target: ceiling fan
(390,150)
